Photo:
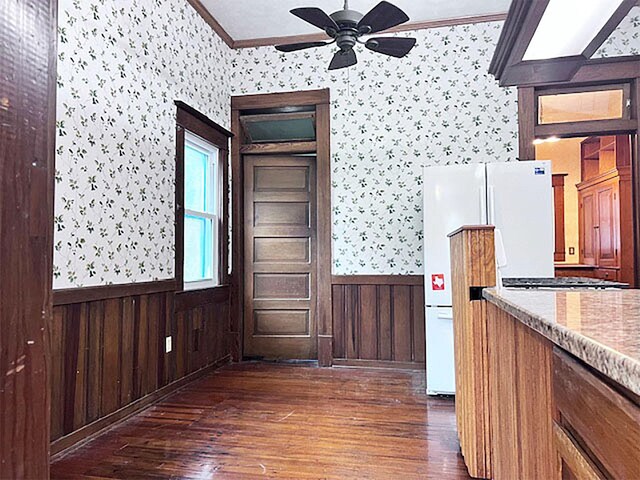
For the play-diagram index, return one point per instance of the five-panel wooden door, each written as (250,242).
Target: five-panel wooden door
(280,257)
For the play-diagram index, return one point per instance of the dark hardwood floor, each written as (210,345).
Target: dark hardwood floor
(258,420)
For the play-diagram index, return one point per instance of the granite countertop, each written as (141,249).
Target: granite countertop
(601,327)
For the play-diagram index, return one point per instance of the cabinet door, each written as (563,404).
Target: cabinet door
(606,226)
(588,238)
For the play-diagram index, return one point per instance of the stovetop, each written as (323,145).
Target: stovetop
(561,282)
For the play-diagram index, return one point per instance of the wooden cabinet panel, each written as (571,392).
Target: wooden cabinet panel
(607,227)
(520,400)
(574,463)
(604,422)
(610,274)
(588,239)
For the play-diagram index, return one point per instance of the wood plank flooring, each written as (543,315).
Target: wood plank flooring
(258,420)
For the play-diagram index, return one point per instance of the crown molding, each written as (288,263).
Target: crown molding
(213,23)
(271,41)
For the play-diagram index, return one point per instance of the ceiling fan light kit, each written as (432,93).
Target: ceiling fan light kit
(346,26)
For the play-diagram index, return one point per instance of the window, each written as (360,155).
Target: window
(202,201)
(599,103)
(201,213)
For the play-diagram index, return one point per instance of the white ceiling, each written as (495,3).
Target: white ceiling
(249,19)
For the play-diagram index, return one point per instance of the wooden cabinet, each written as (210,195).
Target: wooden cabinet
(606,208)
(596,427)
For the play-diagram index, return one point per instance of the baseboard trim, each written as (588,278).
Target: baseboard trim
(64,445)
(384,364)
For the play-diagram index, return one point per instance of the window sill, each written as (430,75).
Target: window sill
(190,299)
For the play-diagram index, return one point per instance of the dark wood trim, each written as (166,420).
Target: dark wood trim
(323,232)
(201,125)
(594,127)
(276,100)
(526,123)
(635,175)
(383,364)
(614,69)
(88,432)
(103,292)
(521,23)
(535,71)
(320,99)
(188,300)
(282,147)
(213,23)
(179,208)
(377,280)
(189,119)
(237,233)
(407,27)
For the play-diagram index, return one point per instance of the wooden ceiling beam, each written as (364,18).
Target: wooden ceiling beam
(522,21)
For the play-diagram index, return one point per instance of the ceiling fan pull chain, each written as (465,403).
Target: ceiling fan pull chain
(346,4)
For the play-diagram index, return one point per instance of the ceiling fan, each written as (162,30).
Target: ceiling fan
(346,26)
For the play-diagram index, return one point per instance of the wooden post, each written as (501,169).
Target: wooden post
(472,269)
(27,148)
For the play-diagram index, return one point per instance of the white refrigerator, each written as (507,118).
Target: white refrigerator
(517,198)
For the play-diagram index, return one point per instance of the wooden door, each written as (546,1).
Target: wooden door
(280,257)
(588,238)
(607,226)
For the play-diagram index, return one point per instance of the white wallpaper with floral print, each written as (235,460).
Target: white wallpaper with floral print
(121,65)
(389,117)
(625,39)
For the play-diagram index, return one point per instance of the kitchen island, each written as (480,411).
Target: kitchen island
(547,381)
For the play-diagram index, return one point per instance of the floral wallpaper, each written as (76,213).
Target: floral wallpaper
(121,65)
(625,39)
(389,117)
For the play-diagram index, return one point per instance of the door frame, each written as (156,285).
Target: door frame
(594,73)
(321,100)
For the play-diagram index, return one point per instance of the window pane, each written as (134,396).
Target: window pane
(198,248)
(196,175)
(581,106)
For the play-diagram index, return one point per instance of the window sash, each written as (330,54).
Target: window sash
(213,202)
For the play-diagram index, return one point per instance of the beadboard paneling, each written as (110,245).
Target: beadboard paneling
(109,353)
(379,324)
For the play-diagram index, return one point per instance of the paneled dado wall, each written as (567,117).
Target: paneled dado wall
(108,355)
(378,320)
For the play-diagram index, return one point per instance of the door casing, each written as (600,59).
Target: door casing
(320,99)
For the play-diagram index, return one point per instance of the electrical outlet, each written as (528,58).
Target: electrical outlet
(572,251)
(167,344)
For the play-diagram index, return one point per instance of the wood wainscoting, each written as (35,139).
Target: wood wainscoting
(108,355)
(378,321)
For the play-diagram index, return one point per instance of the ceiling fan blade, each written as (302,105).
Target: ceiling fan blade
(292,47)
(382,16)
(343,59)
(316,17)
(393,46)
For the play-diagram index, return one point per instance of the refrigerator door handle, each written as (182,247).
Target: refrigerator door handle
(492,206)
(482,194)
(446,316)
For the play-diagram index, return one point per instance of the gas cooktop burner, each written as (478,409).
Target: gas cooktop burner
(561,282)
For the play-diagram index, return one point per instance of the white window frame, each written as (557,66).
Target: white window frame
(213,154)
